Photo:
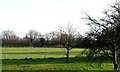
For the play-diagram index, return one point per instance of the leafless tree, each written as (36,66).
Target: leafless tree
(67,35)
(32,35)
(8,34)
(106,31)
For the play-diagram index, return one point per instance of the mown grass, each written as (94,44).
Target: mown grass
(56,64)
(32,49)
(21,53)
(16,60)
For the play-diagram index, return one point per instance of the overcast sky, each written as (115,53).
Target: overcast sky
(47,15)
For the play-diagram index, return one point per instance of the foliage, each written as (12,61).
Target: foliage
(106,33)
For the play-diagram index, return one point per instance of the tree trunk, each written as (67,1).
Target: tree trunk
(67,55)
(115,60)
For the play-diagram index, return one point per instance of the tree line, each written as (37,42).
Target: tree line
(34,38)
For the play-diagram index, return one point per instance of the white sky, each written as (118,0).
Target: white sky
(46,15)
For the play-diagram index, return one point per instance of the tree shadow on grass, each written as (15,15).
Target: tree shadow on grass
(56,60)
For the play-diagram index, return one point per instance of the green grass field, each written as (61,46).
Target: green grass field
(21,53)
(16,60)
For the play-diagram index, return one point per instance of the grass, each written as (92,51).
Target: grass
(16,60)
(55,64)
(32,50)
(18,53)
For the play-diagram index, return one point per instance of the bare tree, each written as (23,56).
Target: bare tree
(52,38)
(8,34)
(9,38)
(67,38)
(32,35)
(106,32)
